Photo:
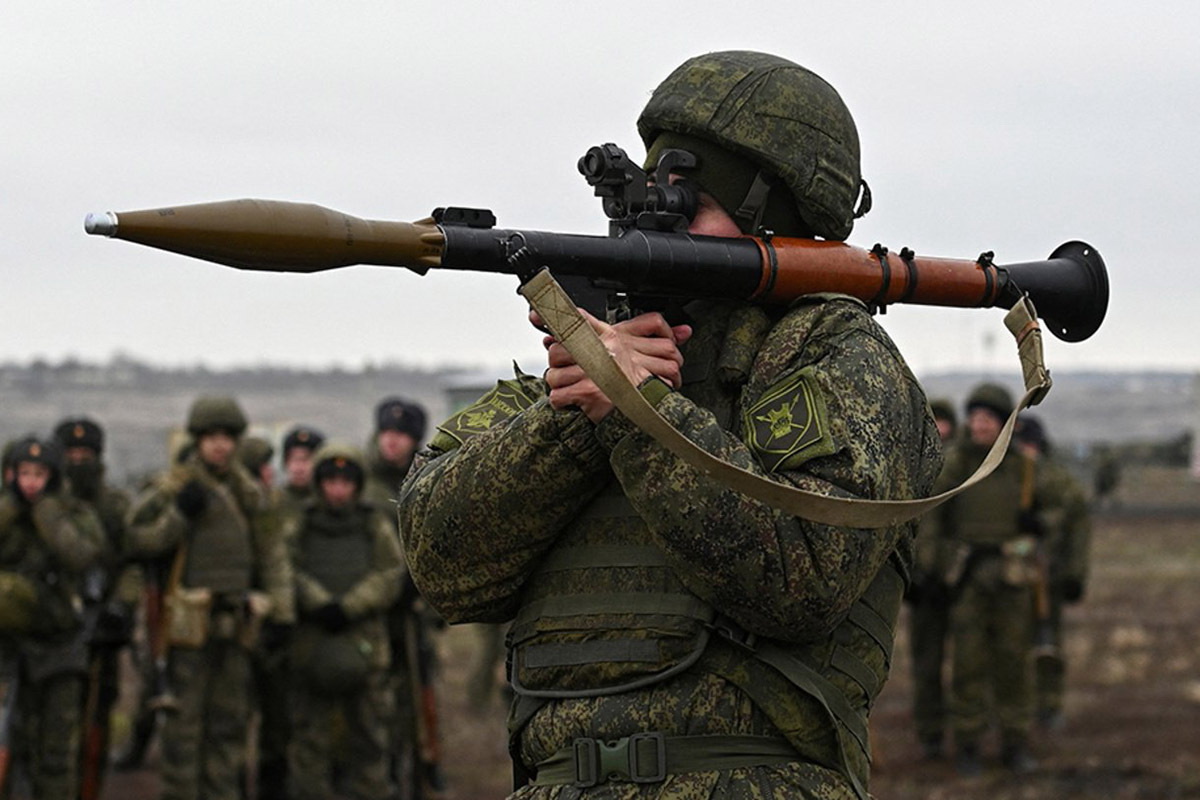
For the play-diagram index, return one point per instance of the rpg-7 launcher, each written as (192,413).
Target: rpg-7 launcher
(647,258)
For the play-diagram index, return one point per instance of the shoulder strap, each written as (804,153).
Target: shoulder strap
(559,313)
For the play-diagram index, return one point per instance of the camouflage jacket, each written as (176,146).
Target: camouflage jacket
(818,399)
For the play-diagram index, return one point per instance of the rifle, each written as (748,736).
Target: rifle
(646,259)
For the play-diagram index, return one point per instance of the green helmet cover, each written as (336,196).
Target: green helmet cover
(993,397)
(782,117)
(216,413)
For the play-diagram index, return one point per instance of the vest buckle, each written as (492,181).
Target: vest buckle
(640,758)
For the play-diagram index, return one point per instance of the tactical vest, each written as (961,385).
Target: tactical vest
(336,551)
(605,613)
(221,554)
(986,514)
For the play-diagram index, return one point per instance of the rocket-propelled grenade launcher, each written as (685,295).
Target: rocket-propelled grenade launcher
(647,255)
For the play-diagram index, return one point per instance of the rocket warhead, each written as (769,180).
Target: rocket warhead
(101,223)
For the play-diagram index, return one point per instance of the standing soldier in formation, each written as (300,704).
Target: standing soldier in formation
(111,591)
(48,540)
(399,430)
(674,638)
(299,445)
(203,513)
(348,574)
(929,617)
(987,551)
(1066,537)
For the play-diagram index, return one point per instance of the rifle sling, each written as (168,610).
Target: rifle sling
(563,319)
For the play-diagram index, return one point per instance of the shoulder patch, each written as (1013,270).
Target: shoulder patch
(788,424)
(502,403)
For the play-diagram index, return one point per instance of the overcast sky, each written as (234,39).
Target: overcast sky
(1009,127)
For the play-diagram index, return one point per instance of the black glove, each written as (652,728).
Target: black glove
(275,636)
(1070,590)
(192,499)
(331,616)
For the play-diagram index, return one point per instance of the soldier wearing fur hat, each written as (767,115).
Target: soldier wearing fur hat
(226,575)
(48,540)
(348,574)
(300,444)
(989,537)
(111,589)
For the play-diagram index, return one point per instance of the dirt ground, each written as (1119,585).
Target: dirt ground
(1133,702)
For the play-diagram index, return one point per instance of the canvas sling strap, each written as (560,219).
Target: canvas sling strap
(568,326)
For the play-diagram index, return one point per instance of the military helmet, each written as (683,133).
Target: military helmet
(336,458)
(80,432)
(943,409)
(213,413)
(254,451)
(1031,431)
(993,397)
(783,119)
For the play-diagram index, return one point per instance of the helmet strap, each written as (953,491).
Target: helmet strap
(750,213)
(864,199)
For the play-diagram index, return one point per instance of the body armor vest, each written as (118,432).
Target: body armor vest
(220,556)
(986,514)
(336,550)
(605,613)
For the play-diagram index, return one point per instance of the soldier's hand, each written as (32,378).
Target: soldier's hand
(644,346)
(192,499)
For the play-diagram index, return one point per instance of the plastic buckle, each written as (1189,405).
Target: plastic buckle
(659,770)
(598,761)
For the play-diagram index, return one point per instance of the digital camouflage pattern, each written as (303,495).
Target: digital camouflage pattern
(480,520)
(781,116)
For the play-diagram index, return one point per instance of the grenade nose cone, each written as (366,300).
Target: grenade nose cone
(101,223)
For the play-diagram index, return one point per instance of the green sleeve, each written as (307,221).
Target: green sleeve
(775,574)
(476,520)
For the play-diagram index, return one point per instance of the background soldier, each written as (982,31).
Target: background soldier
(111,591)
(1067,529)
(399,430)
(988,554)
(929,617)
(348,573)
(48,539)
(204,513)
(299,445)
(670,630)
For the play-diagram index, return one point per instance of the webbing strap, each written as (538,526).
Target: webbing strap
(574,605)
(603,555)
(651,757)
(568,326)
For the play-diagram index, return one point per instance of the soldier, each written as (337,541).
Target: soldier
(668,630)
(987,552)
(256,453)
(1067,529)
(111,591)
(929,618)
(399,430)
(48,539)
(298,447)
(348,573)
(204,512)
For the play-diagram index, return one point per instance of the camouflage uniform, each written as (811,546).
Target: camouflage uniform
(51,543)
(929,622)
(986,555)
(111,591)
(595,539)
(350,558)
(204,742)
